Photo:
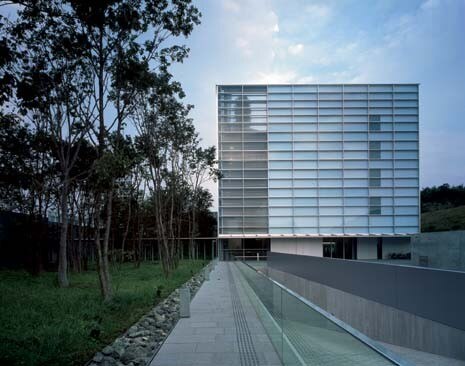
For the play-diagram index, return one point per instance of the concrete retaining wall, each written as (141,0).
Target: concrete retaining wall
(411,307)
(444,250)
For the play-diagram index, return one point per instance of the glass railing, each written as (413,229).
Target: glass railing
(303,334)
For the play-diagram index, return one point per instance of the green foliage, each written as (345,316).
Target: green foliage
(443,220)
(44,325)
(26,165)
(442,197)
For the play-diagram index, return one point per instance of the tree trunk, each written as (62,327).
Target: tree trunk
(102,255)
(62,256)
(126,231)
(108,291)
(139,245)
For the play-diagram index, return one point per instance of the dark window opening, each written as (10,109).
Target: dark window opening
(375,205)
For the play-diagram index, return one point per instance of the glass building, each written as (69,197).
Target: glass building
(328,170)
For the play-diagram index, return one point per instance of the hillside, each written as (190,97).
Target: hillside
(443,220)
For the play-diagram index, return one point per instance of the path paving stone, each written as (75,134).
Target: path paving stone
(210,336)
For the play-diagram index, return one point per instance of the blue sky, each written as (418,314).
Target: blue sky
(339,41)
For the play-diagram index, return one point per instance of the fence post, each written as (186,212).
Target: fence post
(184,302)
(206,273)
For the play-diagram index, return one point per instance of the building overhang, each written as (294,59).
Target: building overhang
(275,236)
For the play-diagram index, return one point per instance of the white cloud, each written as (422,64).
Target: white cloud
(428,4)
(251,28)
(295,49)
(307,80)
(231,5)
(274,77)
(318,14)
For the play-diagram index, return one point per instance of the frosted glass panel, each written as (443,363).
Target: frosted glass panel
(305,201)
(280,211)
(280,201)
(280,164)
(280,155)
(305,155)
(279,127)
(355,221)
(311,157)
(300,192)
(330,211)
(328,201)
(280,145)
(331,221)
(304,211)
(305,221)
(305,183)
(305,164)
(305,127)
(279,136)
(381,221)
(280,192)
(406,221)
(305,173)
(282,183)
(280,174)
(281,221)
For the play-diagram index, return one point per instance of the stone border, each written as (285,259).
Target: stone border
(140,343)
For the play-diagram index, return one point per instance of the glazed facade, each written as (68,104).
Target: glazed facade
(318,160)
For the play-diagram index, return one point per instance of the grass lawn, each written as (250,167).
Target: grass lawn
(42,324)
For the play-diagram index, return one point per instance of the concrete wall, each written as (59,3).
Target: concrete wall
(408,306)
(444,250)
(380,322)
(300,246)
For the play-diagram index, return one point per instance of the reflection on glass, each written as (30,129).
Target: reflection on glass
(299,333)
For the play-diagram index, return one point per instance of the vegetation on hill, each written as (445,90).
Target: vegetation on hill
(443,220)
(443,208)
(442,197)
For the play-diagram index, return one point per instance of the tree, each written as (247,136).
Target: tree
(122,49)
(53,89)
(202,168)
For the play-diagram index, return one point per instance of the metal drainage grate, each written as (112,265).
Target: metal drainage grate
(247,352)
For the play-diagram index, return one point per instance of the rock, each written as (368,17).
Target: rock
(128,356)
(119,350)
(108,351)
(141,341)
(108,361)
(159,318)
(98,357)
(140,333)
(139,362)
(131,354)
(133,329)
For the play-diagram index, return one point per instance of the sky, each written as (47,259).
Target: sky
(338,41)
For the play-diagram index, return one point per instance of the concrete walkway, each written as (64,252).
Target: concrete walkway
(223,328)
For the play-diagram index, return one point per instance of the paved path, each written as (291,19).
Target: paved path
(223,328)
